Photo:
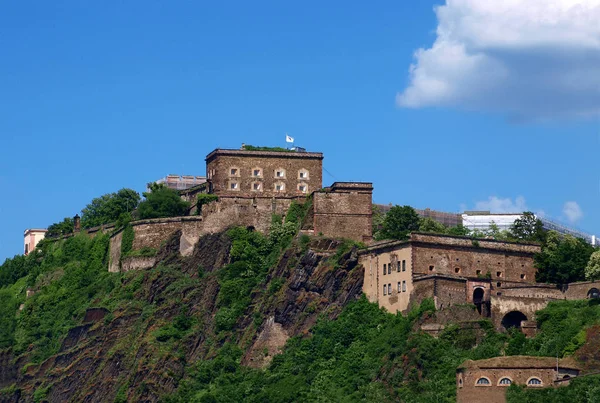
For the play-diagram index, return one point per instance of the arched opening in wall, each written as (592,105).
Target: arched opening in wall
(513,319)
(478,295)
(593,293)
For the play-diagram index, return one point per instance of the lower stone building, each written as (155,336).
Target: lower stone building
(449,269)
(487,380)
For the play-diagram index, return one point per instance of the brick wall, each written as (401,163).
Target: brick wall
(219,164)
(344,211)
(468,258)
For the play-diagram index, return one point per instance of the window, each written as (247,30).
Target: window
(498,284)
(534,382)
(257,186)
(398,268)
(457,270)
(498,274)
(404,265)
(303,174)
(483,382)
(399,287)
(403,286)
(460,383)
(384,289)
(478,272)
(384,269)
(234,171)
(302,187)
(257,172)
(280,187)
(430,268)
(233,186)
(390,289)
(390,268)
(505,381)
(522,276)
(280,173)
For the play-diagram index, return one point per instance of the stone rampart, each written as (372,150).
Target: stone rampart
(344,211)
(582,290)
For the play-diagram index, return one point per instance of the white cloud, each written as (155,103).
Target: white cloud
(532,59)
(572,211)
(497,205)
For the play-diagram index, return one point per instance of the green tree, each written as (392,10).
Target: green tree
(459,230)
(60,228)
(592,270)
(109,207)
(162,202)
(562,259)
(399,222)
(428,224)
(528,228)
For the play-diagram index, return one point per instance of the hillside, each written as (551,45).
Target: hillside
(209,327)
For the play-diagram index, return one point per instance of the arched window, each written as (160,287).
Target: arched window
(505,381)
(483,381)
(534,382)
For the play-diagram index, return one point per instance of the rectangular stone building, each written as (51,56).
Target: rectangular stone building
(486,381)
(449,269)
(248,173)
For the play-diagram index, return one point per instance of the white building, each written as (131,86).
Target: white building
(31,238)
(482,220)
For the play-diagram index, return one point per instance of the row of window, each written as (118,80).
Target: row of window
(398,266)
(277,187)
(387,288)
(505,381)
(258,173)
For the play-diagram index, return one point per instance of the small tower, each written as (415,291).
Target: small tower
(76,224)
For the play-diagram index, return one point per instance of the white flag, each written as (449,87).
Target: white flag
(289,139)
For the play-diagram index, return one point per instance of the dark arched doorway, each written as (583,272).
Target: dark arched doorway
(513,319)
(593,293)
(478,295)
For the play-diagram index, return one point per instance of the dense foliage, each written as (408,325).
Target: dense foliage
(399,222)
(61,228)
(528,228)
(162,202)
(592,270)
(109,207)
(563,259)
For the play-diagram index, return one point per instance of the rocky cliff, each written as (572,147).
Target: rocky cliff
(137,346)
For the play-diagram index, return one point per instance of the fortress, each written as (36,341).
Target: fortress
(497,278)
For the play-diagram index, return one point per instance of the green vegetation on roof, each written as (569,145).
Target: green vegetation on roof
(248,147)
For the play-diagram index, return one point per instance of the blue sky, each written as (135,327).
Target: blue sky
(99,96)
